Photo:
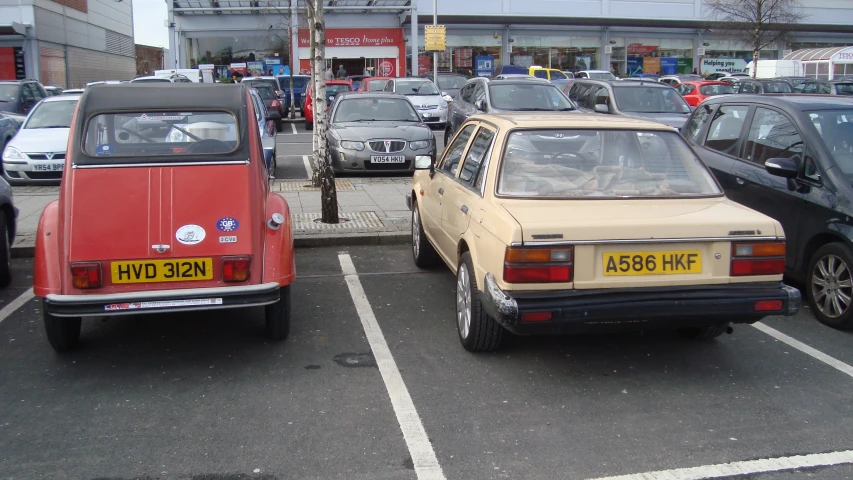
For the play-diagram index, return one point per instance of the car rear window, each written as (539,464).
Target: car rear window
(563,163)
(777,87)
(716,89)
(298,82)
(265,91)
(844,88)
(171,133)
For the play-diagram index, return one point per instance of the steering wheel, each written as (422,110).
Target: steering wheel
(209,145)
(581,160)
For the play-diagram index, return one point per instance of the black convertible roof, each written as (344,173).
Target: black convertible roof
(163,96)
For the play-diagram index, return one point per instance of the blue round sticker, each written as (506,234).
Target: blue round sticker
(227,224)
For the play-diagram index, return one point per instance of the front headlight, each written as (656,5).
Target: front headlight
(352,145)
(12,153)
(443,105)
(419,144)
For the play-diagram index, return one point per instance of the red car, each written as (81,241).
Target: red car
(695,92)
(165,206)
(333,87)
(373,84)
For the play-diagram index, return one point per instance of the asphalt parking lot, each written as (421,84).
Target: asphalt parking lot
(206,396)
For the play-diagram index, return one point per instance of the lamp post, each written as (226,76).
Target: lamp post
(290,56)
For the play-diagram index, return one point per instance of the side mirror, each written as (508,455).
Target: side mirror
(447,98)
(782,167)
(601,108)
(444,94)
(481,105)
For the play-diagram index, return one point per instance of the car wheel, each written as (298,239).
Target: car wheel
(273,165)
(447,133)
(309,125)
(279,125)
(477,331)
(62,333)
(423,252)
(5,254)
(704,333)
(278,316)
(830,285)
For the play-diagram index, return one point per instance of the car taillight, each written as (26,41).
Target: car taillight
(760,258)
(274,104)
(538,265)
(236,269)
(85,275)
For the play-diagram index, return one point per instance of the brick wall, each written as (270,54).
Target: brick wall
(148,59)
(88,66)
(81,5)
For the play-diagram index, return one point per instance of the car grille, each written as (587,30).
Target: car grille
(44,156)
(387,166)
(393,147)
(45,175)
(427,107)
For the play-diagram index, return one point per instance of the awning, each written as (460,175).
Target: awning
(817,54)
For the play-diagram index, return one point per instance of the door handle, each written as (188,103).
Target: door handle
(441,191)
(465,209)
(740,177)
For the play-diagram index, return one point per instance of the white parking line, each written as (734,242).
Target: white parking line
(16,304)
(420,448)
(307,163)
(832,362)
(293,126)
(744,468)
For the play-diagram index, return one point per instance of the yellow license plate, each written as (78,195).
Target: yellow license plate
(652,263)
(174,270)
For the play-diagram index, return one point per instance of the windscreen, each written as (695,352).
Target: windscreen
(52,115)
(146,134)
(716,89)
(601,76)
(777,87)
(601,164)
(640,99)
(9,93)
(416,87)
(451,81)
(836,130)
(265,92)
(523,97)
(298,82)
(365,109)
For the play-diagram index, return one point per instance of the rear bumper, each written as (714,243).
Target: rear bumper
(162,301)
(578,311)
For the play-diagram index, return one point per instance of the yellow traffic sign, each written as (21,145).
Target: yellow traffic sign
(435,38)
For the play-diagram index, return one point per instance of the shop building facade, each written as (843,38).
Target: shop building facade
(624,36)
(66,43)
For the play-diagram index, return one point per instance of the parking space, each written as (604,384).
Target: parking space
(184,396)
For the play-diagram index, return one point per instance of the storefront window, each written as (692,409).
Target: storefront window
(461,54)
(659,56)
(248,47)
(560,52)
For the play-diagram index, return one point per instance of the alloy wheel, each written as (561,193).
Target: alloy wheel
(463,301)
(832,286)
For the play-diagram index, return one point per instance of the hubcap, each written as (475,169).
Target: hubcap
(463,301)
(416,230)
(832,286)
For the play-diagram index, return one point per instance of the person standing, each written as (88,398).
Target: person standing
(341,72)
(329,74)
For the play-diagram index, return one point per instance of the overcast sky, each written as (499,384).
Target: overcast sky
(148,19)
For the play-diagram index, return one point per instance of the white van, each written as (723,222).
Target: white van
(193,74)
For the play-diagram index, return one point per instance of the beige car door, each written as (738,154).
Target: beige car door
(464,194)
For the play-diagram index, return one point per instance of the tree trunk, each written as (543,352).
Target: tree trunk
(328,192)
(315,180)
(292,95)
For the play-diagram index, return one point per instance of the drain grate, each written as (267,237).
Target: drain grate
(305,186)
(355,221)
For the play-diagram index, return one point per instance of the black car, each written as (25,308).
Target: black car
(825,87)
(481,95)
(448,83)
(17,97)
(642,99)
(759,86)
(790,157)
(271,101)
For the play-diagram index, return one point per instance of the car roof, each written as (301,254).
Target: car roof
(796,100)
(148,97)
(577,120)
(625,81)
(705,82)
(519,81)
(63,98)
(376,93)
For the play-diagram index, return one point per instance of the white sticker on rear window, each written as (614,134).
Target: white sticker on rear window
(145,116)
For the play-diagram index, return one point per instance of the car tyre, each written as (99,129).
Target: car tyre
(422,250)
(478,332)
(277,315)
(5,254)
(704,333)
(309,125)
(62,333)
(279,125)
(829,282)
(447,133)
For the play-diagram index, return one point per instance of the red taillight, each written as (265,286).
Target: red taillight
(761,258)
(538,265)
(536,317)
(86,275)
(768,305)
(235,269)
(274,104)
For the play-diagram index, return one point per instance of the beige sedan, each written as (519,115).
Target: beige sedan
(587,223)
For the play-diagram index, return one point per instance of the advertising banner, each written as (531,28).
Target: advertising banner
(731,65)
(357,37)
(668,66)
(651,65)
(485,65)
(255,69)
(463,57)
(238,68)
(424,64)
(385,67)
(635,65)
(685,65)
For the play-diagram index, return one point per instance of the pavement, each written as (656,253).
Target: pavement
(373,208)
(373,353)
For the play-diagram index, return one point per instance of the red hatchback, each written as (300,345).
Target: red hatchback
(333,87)
(695,92)
(373,84)
(165,206)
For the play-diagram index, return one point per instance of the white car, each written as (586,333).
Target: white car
(36,154)
(430,103)
(163,79)
(596,75)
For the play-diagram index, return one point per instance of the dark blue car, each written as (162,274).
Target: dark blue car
(299,84)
